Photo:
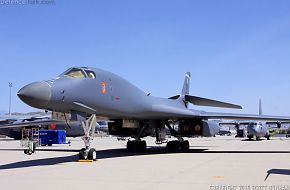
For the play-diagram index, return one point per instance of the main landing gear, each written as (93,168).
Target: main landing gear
(136,145)
(178,146)
(89,126)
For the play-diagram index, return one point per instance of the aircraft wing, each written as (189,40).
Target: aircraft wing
(233,116)
(195,100)
(165,111)
(7,121)
(31,124)
(272,122)
(229,123)
(239,123)
(13,119)
(277,122)
(200,101)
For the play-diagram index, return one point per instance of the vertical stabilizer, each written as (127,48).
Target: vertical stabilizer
(185,88)
(184,92)
(260,107)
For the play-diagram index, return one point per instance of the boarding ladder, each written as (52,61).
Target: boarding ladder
(30,139)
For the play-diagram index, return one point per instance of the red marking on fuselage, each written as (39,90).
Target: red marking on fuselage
(104,87)
(52,126)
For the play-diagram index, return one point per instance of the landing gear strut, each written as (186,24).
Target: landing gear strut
(179,145)
(89,126)
(30,148)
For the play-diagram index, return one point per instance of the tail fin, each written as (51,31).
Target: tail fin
(185,88)
(184,91)
(185,98)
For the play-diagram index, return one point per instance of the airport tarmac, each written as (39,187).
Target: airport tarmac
(213,164)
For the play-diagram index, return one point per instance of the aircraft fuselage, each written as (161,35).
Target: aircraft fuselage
(258,130)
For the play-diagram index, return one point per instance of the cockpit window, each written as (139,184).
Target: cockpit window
(91,74)
(75,73)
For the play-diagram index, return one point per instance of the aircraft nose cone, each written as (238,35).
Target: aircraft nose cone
(37,94)
(253,129)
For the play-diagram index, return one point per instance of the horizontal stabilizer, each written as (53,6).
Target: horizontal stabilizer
(199,101)
(174,97)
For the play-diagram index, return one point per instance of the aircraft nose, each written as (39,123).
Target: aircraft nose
(253,129)
(37,94)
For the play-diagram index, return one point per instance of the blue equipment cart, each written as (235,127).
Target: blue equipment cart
(50,137)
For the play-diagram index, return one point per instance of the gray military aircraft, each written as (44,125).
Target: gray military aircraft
(11,126)
(256,129)
(91,94)
(8,120)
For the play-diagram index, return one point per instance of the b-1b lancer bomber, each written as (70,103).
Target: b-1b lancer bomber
(91,94)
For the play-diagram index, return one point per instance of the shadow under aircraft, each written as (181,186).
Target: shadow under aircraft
(121,152)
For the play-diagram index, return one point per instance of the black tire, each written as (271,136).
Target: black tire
(130,145)
(142,145)
(29,152)
(34,148)
(92,155)
(25,151)
(178,146)
(184,146)
(83,155)
(169,146)
(173,146)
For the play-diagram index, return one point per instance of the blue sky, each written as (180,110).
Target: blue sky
(237,51)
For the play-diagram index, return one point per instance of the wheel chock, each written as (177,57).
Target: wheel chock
(87,160)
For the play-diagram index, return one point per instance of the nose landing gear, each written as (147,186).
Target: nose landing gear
(88,153)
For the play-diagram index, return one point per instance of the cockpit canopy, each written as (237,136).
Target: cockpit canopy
(80,73)
(255,123)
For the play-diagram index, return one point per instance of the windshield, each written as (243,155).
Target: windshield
(75,73)
(91,74)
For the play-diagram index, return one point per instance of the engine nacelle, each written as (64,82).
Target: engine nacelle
(210,128)
(204,128)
